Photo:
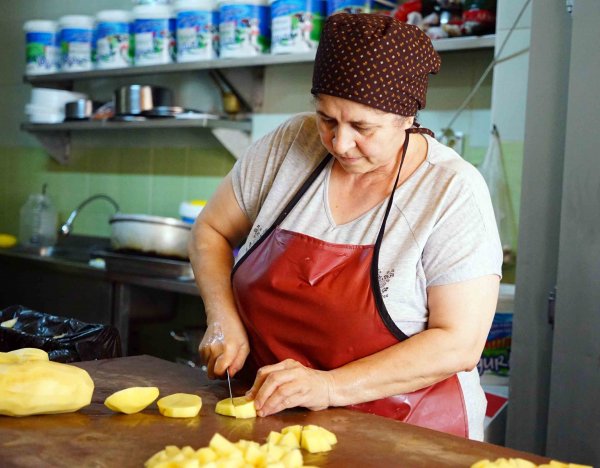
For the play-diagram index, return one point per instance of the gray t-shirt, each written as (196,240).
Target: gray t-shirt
(441,228)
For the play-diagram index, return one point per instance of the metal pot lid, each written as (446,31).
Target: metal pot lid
(143,218)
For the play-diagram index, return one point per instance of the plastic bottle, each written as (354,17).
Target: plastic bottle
(152,36)
(296,25)
(244,28)
(41,37)
(197,25)
(112,38)
(76,34)
(38,221)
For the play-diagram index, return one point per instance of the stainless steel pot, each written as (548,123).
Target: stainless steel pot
(154,235)
(135,99)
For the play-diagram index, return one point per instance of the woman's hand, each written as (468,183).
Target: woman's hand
(224,346)
(289,384)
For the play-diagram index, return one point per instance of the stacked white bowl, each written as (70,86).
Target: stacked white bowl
(48,105)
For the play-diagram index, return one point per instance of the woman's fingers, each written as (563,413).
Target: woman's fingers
(289,384)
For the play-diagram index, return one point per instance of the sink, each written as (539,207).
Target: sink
(74,248)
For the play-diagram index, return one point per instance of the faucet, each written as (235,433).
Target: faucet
(65,229)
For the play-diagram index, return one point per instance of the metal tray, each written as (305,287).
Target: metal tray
(145,265)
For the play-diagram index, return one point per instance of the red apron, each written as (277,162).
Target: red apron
(320,304)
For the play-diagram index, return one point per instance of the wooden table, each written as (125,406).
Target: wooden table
(97,437)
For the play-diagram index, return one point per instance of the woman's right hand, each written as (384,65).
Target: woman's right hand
(224,346)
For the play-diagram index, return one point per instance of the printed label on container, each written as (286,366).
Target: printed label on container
(41,52)
(244,30)
(76,49)
(348,6)
(197,35)
(296,25)
(495,358)
(112,44)
(151,41)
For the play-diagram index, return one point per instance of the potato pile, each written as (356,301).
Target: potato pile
(520,463)
(281,450)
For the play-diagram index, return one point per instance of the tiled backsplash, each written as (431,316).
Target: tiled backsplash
(142,180)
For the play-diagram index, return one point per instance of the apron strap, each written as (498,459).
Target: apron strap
(375,288)
(288,208)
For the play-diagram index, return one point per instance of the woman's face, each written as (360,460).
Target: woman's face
(362,139)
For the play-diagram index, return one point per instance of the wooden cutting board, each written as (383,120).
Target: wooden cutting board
(97,437)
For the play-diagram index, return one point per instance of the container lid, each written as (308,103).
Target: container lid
(152,11)
(81,21)
(119,16)
(190,5)
(40,25)
(243,2)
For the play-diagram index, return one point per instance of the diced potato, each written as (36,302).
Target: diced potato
(293,459)
(296,430)
(205,455)
(254,455)
(238,407)
(289,440)
(327,435)
(274,437)
(274,452)
(131,400)
(314,441)
(221,445)
(180,405)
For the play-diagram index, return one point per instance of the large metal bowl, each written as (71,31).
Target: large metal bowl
(152,235)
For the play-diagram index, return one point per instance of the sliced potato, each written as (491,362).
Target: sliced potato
(131,400)
(239,407)
(180,405)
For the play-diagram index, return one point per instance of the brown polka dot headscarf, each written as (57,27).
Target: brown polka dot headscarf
(375,60)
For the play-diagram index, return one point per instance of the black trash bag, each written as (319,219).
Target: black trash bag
(64,339)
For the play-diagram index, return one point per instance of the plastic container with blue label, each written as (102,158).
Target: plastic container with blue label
(41,37)
(76,34)
(152,35)
(348,6)
(296,25)
(244,28)
(112,39)
(197,30)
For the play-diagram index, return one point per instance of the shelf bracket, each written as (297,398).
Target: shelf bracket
(57,144)
(235,141)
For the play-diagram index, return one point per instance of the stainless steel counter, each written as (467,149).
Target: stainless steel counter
(63,281)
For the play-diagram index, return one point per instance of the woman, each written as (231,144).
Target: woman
(369,276)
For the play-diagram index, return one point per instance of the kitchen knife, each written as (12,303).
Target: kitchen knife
(229,385)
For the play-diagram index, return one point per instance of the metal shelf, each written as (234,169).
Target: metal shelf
(56,138)
(242,125)
(441,45)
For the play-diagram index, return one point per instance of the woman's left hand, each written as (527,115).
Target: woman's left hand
(289,384)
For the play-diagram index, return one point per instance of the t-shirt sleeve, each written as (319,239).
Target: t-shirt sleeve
(464,243)
(253,174)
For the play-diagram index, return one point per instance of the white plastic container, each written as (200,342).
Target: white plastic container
(41,38)
(38,222)
(296,25)
(349,6)
(48,105)
(76,32)
(189,210)
(244,28)
(152,36)
(112,39)
(197,26)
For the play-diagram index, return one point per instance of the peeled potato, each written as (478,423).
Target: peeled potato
(180,405)
(23,355)
(239,407)
(131,400)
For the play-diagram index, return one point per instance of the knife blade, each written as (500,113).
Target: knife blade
(229,385)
